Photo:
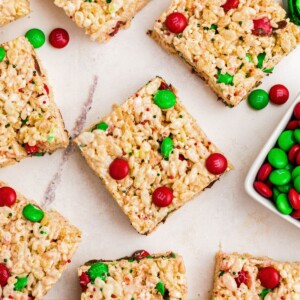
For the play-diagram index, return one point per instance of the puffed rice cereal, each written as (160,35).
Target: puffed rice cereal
(134,132)
(11,10)
(30,122)
(101,19)
(237,278)
(225,48)
(35,251)
(156,277)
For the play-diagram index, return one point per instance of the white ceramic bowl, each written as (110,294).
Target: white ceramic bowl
(260,160)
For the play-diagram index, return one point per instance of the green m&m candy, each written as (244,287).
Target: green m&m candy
(277,158)
(296,172)
(258,99)
(280,177)
(165,99)
(297,135)
(36,37)
(21,283)
(2,53)
(33,213)
(297,184)
(286,140)
(284,188)
(276,193)
(283,204)
(160,288)
(167,147)
(98,270)
(224,78)
(102,126)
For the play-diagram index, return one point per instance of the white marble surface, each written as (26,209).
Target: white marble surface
(223,215)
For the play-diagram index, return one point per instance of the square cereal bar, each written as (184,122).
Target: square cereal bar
(231,45)
(151,155)
(30,122)
(242,276)
(141,276)
(11,10)
(101,19)
(35,247)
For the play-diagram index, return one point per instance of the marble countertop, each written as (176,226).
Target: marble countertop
(87,79)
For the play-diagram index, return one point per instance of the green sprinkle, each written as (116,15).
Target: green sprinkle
(130,271)
(160,288)
(213,27)
(5,259)
(173,255)
(102,126)
(10,214)
(7,125)
(130,259)
(154,116)
(180,35)
(149,256)
(43,232)
(21,283)
(180,116)
(264,293)
(221,273)
(240,22)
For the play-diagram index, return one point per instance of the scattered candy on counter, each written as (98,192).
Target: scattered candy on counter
(59,38)
(36,37)
(279,177)
(259,99)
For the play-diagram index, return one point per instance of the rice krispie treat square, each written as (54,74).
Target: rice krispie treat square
(242,276)
(151,155)
(35,247)
(30,122)
(11,10)
(101,19)
(230,44)
(141,276)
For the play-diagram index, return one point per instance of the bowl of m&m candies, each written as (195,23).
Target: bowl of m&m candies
(274,178)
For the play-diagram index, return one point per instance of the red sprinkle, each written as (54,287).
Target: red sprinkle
(8,196)
(264,172)
(162,196)
(230,4)
(176,22)
(262,27)
(164,86)
(31,149)
(279,94)
(119,169)
(59,38)
(4,275)
(294,199)
(243,277)
(84,279)
(297,111)
(269,277)
(46,89)
(263,189)
(216,163)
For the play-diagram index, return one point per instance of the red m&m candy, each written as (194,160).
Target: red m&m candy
(8,196)
(269,277)
(230,4)
(59,38)
(292,125)
(264,172)
(293,152)
(297,111)
(296,214)
(262,27)
(294,199)
(4,275)
(162,196)
(176,22)
(140,254)
(279,94)
(263,189)
(216,163)
(119,169)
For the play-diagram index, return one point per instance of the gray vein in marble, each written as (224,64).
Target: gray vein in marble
(50,192)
